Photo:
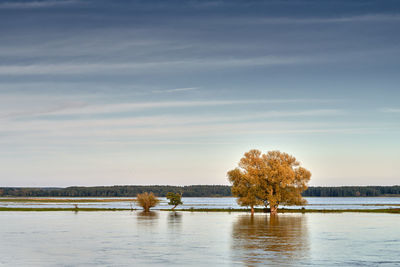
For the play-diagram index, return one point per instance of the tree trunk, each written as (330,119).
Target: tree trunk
(252,210)
(174,207)
(273,210)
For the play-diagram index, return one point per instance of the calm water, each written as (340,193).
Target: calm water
(124,238)
(229,202)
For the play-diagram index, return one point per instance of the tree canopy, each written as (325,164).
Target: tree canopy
(270,179)
(175,199)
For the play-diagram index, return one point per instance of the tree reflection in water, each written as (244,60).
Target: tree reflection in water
(275,240)
(174,219)
(147,218)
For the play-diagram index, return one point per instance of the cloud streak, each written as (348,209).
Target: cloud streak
(163,120)
(47,132)
(140,67)
(390,110)
(176,90)
(36,4)
(322,20)
(92,109)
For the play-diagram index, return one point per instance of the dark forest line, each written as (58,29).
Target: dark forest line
(188,191)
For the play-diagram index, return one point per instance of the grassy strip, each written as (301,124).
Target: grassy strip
(294,210)
(59,209)
(55,200)
(379,204)
(339,211)
(397,211)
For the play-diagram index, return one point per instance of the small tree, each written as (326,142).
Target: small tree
(174,199)
(147,201)
(272,179)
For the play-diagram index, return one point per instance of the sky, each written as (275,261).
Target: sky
(96,92)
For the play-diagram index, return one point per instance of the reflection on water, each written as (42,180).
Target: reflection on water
(149,218)
(174,219)
(270,239)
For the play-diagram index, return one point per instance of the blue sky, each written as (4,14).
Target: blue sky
(174,92)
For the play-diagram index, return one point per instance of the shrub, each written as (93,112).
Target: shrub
(147,201)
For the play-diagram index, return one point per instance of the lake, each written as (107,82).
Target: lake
(224,203)
(134,238)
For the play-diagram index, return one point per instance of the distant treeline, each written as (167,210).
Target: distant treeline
(188,191)
(119,191)
(352,191)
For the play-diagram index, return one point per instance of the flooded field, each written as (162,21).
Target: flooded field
(210,203)
(125,238)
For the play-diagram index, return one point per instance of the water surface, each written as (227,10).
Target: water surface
(125,238)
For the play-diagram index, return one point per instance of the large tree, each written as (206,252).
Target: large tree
(244,180)
(271,179)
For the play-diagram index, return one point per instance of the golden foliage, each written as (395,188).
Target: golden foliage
(147,201)
(270,179)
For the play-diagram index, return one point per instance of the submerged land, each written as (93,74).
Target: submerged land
(75,206)
(65,200)
(80,195)
(397,211)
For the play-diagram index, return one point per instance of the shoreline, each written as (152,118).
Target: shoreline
(391,211)
(63,200)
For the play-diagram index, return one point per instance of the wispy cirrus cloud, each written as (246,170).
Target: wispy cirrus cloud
(82,108)
(39,124)
(176,90)
(316,20)
(140,67)
(39,111)
(36,4)
(390,110)
(93,132)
